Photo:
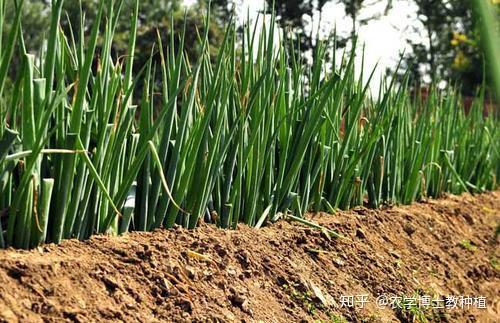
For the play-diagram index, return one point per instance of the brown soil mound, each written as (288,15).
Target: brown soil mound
(282,273)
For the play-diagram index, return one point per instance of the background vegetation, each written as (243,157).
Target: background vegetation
(229,131)
(449,45)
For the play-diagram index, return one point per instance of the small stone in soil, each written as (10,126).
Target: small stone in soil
(409,229)
(360,234)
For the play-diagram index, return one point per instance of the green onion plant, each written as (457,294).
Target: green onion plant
(251,135)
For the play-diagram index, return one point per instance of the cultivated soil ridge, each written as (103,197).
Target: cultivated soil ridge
(436,250)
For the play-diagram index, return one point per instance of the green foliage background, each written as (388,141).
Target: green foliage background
(449,45)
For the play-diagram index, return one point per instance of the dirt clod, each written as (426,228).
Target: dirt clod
(360,234)
(409,229)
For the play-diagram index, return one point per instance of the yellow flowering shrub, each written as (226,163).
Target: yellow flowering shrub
(459,38)
(461,61)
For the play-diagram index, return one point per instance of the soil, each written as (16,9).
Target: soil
(286,272)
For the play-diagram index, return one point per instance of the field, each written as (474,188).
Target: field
(282,273)
(245,136)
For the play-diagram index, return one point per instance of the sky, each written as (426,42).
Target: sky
(384,38)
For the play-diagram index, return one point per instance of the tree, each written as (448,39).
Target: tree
(222,9)
(153,15)
(450,46)
(291,16)
(295,16)
(352,8)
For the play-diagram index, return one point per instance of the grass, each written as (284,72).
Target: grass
(495,264)
(468,245)
(337,318)
(251,136)
(408,309)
